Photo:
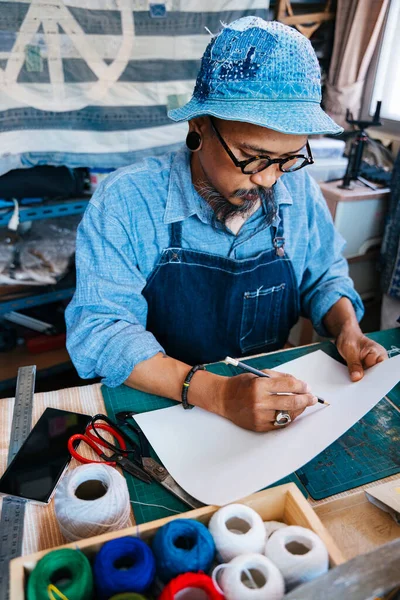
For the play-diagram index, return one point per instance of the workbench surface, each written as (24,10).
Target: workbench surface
(356,525)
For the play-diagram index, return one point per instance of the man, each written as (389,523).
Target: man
(217,249)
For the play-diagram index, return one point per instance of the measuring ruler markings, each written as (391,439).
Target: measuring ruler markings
(13,510)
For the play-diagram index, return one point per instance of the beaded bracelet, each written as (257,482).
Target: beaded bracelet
(186,383)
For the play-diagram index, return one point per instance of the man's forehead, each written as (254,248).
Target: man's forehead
(255,137)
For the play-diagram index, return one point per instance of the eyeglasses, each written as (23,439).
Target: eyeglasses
(255,164)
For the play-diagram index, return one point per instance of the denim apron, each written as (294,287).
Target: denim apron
(203,307)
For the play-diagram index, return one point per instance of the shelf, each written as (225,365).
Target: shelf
(20,357)
(45,211)
(35,300)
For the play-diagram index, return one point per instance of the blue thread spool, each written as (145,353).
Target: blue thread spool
(180,546)
(123,565)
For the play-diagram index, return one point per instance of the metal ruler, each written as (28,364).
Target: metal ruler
(13,510)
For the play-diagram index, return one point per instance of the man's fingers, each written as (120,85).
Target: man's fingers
(266,422)
(356,371)
(352,357)
(284,383)
(294,403)
(265,412)
(269,425)
(271,373)
(275,374)
(361,354)
(296,414)
(375,355)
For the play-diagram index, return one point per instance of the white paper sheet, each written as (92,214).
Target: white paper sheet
(218,462)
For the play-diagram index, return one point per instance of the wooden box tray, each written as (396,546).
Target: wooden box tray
(283,503)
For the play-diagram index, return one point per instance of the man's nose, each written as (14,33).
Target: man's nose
(268,177)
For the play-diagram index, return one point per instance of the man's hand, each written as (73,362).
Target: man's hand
(247,400)
(359,352)
(251,402)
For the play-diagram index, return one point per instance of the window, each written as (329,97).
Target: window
(383,82)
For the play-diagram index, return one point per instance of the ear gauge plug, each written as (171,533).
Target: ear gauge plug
(193,141)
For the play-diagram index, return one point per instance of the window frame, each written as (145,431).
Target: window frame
(389,126)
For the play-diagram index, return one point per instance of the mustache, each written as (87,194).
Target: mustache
(256,192)
(223,209)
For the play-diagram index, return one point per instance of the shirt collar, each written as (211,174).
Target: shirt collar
(281,193)
(183,201)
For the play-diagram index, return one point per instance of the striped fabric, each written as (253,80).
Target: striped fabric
(89,82)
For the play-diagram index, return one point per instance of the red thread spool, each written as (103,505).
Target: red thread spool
(194,581)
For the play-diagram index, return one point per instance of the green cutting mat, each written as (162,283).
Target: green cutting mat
(367,452)
(317,480)
(390,339)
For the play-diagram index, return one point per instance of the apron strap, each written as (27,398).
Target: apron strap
(278,239)
(176,235)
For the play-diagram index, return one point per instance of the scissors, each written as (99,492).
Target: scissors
(153,468)
(95,441)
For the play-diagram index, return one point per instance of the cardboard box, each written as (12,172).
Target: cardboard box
(283,503)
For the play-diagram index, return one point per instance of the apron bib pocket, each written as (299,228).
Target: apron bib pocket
(260,317)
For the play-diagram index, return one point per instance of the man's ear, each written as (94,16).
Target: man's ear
(199,124)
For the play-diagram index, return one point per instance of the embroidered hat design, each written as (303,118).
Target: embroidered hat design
(260,72)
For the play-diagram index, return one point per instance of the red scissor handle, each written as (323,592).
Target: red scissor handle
(109,429)
(84,439)
(94,442)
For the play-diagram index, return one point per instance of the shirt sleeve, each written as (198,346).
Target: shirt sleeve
(106,319)
(326,275)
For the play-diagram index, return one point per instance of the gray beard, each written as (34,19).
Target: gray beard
(224,210)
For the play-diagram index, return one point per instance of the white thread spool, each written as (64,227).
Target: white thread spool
(299,554)
(90,500)
(237,529)
(271,526)
(250,577)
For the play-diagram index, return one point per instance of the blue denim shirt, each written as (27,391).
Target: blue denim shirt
(127,225)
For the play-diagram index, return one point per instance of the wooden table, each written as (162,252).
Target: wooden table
(356,525)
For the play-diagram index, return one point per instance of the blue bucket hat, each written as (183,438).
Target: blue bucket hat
(260,72)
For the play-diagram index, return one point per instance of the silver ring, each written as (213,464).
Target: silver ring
(282,418)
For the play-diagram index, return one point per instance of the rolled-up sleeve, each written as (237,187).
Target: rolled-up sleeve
(106,319)
(326,274)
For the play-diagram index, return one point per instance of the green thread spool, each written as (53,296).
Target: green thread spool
(67,569)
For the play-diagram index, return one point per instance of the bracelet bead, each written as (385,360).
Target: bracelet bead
(186,384)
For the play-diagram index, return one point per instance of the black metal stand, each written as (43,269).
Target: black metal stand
(357,149)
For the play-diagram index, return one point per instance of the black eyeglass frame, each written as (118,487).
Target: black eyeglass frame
(242,164)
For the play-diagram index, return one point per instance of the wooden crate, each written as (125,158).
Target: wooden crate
(283,503)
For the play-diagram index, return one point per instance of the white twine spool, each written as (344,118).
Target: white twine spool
(271,526)
(90,500)
(299,554)
(250,577)
(237,529)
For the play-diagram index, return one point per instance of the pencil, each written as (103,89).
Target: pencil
(238,363)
